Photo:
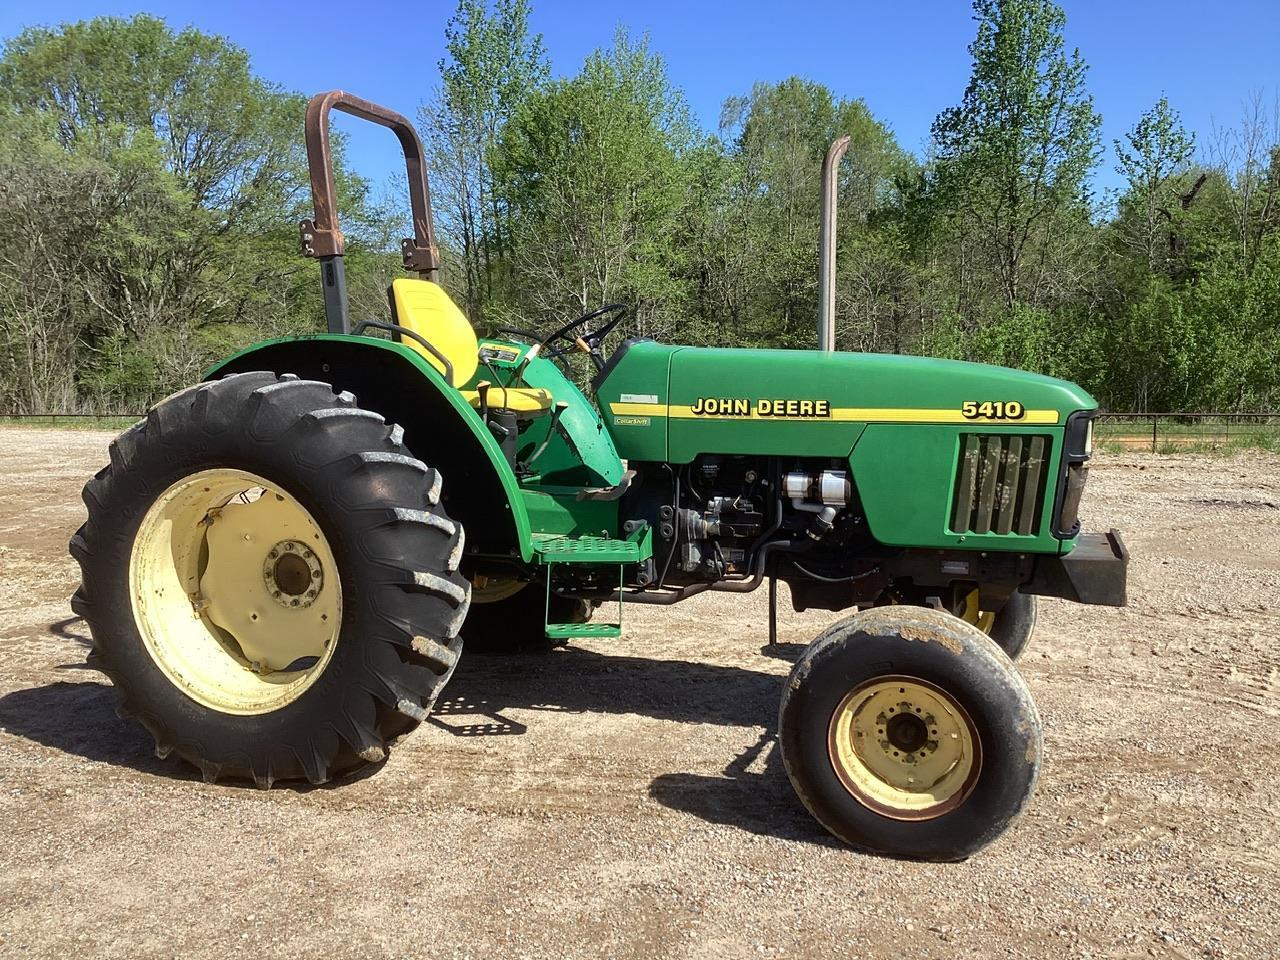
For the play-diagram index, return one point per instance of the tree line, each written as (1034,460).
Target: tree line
(150,186)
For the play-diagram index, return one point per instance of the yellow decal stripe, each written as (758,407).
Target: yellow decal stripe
(639,409)
(838,415)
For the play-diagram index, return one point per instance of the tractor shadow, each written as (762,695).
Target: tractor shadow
(80,719)
(752,793)
(74,629)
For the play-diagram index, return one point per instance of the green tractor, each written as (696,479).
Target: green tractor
(281,562)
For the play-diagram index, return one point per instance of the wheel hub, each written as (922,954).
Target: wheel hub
(293,574)
(907,732)
(904,748)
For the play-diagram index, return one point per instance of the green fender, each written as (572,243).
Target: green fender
(395,381)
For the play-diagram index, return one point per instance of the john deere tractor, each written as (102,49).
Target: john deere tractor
(281,562)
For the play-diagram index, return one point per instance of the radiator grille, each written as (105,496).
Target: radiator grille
(999,484)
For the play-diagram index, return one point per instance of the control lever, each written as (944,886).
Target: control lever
(560,407)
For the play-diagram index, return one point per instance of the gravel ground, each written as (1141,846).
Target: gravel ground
(625,798)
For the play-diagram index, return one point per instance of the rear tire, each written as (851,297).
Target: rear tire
(374,517)
(906,731)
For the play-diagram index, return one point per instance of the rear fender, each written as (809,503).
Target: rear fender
(480,489)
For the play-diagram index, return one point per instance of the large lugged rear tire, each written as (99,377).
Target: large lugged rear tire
(270,580)
(906,731)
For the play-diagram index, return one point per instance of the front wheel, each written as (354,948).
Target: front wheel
(270,579)
(906,731)
(1011,627)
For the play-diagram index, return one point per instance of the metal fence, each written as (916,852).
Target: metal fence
(1172,431)
(40,419)
(1138,431)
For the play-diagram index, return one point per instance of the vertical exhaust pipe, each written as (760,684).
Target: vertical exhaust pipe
(827,247)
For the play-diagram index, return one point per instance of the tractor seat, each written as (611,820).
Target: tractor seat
(425,308)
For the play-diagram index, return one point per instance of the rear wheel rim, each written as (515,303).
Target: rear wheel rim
(235,591)
(495,589)
(904,748)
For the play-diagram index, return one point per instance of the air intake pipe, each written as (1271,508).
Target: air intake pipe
(823,494)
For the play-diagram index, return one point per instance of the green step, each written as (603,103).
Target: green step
(552,548)
(564,630)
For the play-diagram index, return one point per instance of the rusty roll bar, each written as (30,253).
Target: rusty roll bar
(827,246)
(322,237)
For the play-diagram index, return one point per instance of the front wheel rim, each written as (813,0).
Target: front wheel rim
(904,748)
(984,620)
(235,591)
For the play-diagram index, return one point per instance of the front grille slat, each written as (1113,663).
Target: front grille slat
(967,482)
(999,483)
(1030,511)
(1008,489)
(987,485)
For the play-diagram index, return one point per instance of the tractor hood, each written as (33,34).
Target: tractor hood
(672,403)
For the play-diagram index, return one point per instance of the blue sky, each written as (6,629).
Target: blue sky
(907,60)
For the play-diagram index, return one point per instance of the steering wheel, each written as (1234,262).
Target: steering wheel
(589,342)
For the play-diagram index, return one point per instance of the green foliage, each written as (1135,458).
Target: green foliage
(1156,161)
(1013,159)
(147,225)
(594,170)
(495,64)
(151,183)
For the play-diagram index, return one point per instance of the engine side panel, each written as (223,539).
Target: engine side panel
(923,436)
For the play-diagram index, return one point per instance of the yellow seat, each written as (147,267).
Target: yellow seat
(425,308)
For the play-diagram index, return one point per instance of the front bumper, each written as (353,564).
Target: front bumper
(1096,571)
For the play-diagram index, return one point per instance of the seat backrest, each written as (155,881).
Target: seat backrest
(424,308)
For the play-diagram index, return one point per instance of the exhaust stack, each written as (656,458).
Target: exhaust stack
(827,247)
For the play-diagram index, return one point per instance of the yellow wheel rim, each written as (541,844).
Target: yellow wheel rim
(235,591)
(491,589)
(904,748)
(984,620)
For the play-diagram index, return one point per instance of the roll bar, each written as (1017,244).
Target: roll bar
(321,235)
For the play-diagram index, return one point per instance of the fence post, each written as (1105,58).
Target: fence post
(1154,421)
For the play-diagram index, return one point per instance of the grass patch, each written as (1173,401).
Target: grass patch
(1222,445)
(104,422)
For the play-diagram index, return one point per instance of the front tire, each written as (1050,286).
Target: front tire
(270,580)
(906,731)
(1014,624)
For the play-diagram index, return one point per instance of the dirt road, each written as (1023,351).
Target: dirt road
(625,799)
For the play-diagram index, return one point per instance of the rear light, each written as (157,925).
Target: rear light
(1077,447)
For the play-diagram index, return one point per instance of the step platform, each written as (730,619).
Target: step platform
(550,549)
